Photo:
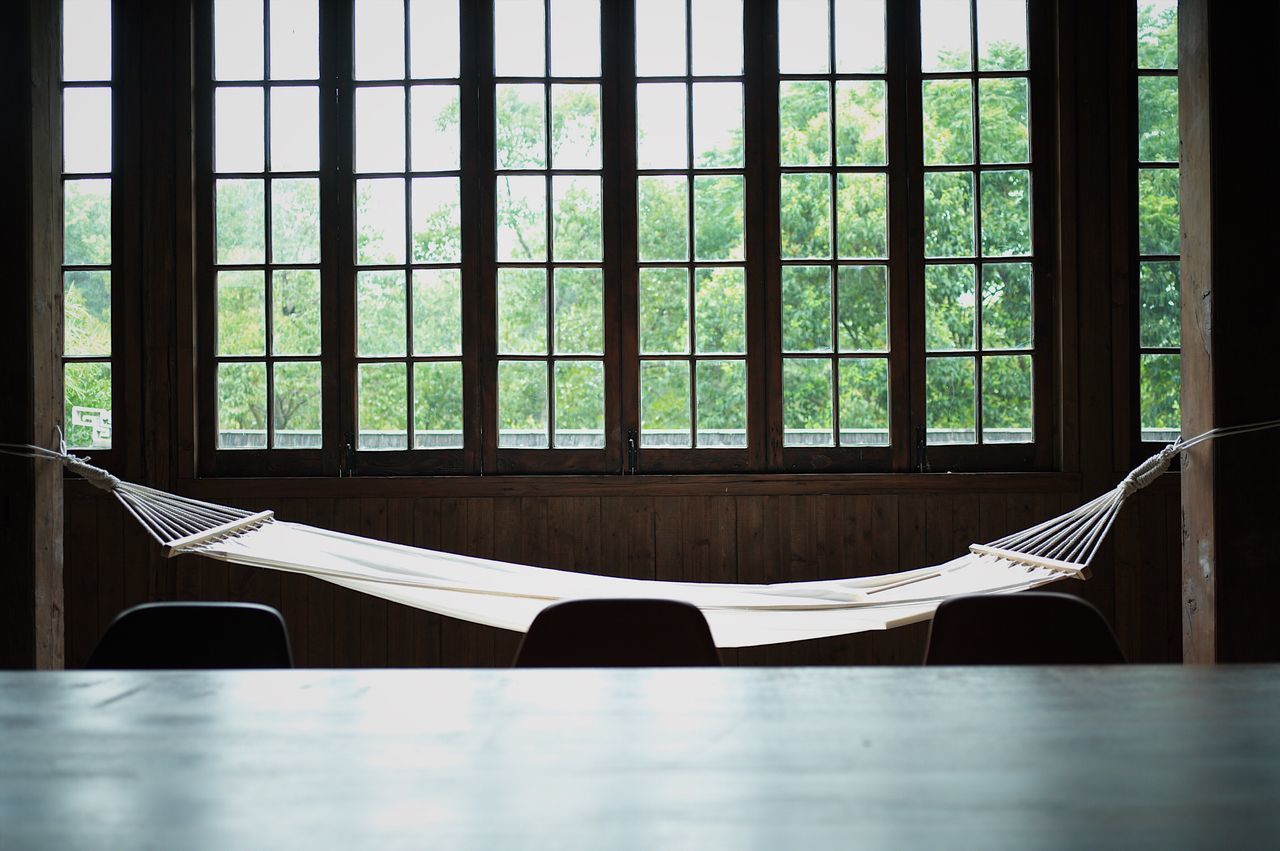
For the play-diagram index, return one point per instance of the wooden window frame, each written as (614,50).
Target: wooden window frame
(762,263)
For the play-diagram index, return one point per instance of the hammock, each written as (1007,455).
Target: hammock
(507,595)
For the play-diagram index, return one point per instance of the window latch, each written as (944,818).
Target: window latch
(344,464)
(633,452)
(922,444)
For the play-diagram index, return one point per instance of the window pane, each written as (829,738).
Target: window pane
(864,402)
(948,121)
(863,212)
(664,311)
(522,404)
(295,220)
(949,413)
(949,307)
(242,313)
(1006,306)
(295,312)
(242,406)
(522,218)
(1002,35)
(295,40)
(804,122)
(86,39)
(238,129)
(717,125)
(295,129)
(241,221)
(948,214)
(859,36)
(579,317)
(433,38)
(86,222)
(806,402)
(379,37)
(86,313)
(575,38)
(1158,33)
(576,218)
(944,35)
(579,398)
(380,128)
(1006,213)
(806,309)
(717,217)
(1158,119)
(1002,116)
(661,126)
(87,408)
(437,405)
(664,403)
(575,126)
(720,306)
(1158,216)
(803,37)
(434,139)
(722,403)
(519,36)
(1006,399)
(660,38)
(380,221)
(663,218)
(382,408)
(522,311)
(237,43)
(863,309)
(1159,315)
(380,314)
(717,36)
(806,215)
(437,220)
(1161,413)
(437,312)
(86,130)
(521,133)
(297,406)
(860,122)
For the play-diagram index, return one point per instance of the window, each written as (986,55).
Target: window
(86,260)
(580,236)
(1159,314)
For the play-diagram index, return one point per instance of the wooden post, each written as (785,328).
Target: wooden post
(31,629)
(1230,302)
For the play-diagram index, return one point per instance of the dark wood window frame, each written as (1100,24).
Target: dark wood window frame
(765,451)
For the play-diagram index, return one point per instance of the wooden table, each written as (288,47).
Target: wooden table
(768,758)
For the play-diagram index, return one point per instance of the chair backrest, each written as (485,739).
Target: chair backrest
(618,633)
(194,636)
(1026,628)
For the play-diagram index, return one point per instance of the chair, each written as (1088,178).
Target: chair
(618,633)
(1026,628)
(194,636)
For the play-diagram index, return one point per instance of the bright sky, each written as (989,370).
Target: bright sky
(86,40)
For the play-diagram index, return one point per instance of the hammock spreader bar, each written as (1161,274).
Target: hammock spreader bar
(509,596)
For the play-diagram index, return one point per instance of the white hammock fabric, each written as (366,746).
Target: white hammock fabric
(507,595)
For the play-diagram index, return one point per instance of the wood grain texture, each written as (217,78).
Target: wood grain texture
(725,758)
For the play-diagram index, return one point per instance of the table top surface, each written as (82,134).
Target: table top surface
(769,758)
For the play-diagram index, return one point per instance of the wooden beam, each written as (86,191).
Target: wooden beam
(31,632)
(1229,300)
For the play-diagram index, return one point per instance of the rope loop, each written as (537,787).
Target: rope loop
(1148,471)
(96,476)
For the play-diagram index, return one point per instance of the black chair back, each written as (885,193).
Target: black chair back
(618,633)
(194,636)
(1026,628)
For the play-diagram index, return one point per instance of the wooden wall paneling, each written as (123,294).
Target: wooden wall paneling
(426,626)
(1153,569)
(374,611)
(295,589)
(758,535)
(668,539)
(319,650)
(82,551)
(1123,556)
(508,545)
(465,644)
(111,560)
(140,564)
(626,537)
(533,532)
